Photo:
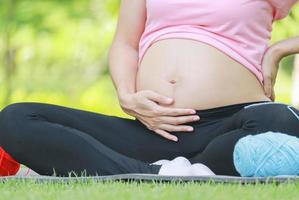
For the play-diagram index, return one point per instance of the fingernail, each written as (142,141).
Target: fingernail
(175,139)
(196,118)
(190,129)
(192,112)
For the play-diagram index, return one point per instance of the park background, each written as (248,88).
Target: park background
(56,51)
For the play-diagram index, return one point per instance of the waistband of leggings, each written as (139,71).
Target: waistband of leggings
(224,110)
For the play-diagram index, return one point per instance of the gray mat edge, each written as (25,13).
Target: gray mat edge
(155,177)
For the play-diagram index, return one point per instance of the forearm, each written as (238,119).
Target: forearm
(123,61)
(285,48)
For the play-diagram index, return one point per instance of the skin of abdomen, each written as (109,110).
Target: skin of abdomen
(196,75)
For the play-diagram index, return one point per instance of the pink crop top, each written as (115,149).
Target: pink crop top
(239,28)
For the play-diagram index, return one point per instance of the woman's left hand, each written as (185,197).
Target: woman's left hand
(270,66)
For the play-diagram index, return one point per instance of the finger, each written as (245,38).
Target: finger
(178,120)
(167,111)
(173,128)
(273,95)
(166,135)
(158,97)
(144,123)
(267,87)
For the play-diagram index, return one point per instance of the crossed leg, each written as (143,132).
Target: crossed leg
(50,138)
(251,120)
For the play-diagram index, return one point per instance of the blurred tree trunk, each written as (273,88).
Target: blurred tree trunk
(9,51)
(295,90)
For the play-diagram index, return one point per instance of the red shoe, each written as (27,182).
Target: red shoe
(8,166)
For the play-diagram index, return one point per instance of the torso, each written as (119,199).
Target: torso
(196,75)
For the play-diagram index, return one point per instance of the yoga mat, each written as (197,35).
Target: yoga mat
(33,176)
(156,178)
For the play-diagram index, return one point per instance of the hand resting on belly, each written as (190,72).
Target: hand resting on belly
(196,76)
(149,108)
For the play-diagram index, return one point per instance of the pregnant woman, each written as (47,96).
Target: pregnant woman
(197,75)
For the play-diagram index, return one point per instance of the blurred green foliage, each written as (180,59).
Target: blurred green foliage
(55,51)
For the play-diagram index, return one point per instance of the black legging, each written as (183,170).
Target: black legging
(55,139)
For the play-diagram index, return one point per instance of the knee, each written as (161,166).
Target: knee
(11,112)
(11,119)
(273,117)
(283,114)
(268,111)
(281,117)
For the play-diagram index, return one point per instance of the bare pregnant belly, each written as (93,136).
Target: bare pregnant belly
(196,75)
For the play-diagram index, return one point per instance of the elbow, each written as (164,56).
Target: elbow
(111,51)
(121,49)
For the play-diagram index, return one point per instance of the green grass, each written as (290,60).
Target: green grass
(120,190)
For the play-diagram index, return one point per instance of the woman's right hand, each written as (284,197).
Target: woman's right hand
(145,105)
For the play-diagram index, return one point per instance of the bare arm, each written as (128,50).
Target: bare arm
(286,47)
(272,57)
(147,106)
(123,54)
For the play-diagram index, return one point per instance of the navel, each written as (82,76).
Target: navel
(172,81)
